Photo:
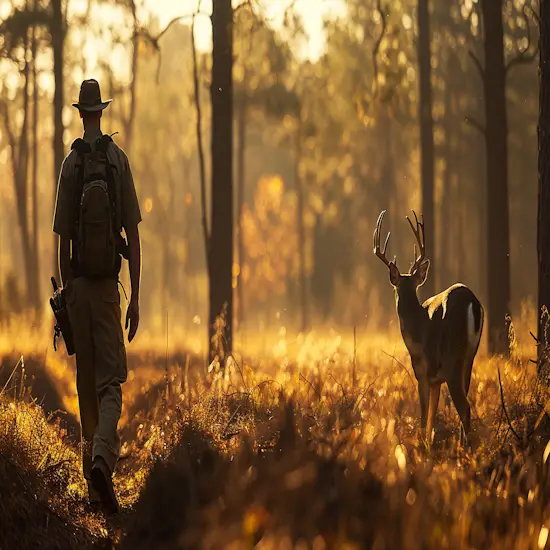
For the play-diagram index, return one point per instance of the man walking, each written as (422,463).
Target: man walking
(96,200)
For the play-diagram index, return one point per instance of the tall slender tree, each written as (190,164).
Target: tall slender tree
(427,162)
(129,121)
(34,167)
(300,211)
(18,139)
(220,253)
(543,232)
(57,29)
(496,144)
(240,175)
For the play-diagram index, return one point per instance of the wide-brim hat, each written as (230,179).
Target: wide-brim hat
(89,99)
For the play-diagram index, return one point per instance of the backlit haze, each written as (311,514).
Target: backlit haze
(312,11)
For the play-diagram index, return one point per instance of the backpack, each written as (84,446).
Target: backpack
(96,225)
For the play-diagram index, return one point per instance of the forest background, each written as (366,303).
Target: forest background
(327,133)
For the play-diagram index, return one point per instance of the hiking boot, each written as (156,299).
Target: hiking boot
(93,505)
(103,484)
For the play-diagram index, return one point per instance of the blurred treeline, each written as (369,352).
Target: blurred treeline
(321,146)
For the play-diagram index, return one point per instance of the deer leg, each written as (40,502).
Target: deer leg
(423,393)
(468,375)
(458,395)
(432,411)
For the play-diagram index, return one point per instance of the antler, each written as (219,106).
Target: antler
(376,238)
(419,235)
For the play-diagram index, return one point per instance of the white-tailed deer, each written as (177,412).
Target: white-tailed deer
(442,335)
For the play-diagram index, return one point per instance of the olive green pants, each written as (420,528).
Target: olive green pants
(94,312)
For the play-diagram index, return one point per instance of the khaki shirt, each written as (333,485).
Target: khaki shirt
(130,215)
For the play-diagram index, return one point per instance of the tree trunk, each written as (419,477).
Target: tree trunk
(451,202)
(481,194)
(458,197)
(426,137)
(220,260)
(386,185)
(58,39)
(241,144)
(129,126)
(301,233)
(167,281)
(34,168)
(496,135)
(445,256)
(543,233)
(22,185)
(20,158)
(165,247)
(183,290)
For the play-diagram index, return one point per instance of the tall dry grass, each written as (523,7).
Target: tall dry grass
(313,444)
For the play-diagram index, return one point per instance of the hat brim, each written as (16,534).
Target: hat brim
(93,108)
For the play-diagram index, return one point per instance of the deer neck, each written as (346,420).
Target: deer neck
(412,318)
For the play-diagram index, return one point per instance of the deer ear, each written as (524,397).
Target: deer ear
(422,272)
(394,274)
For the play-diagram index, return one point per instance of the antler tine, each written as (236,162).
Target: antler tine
(381,254)
(420,224)
(419,236)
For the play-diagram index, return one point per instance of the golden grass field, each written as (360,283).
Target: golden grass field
(306,442)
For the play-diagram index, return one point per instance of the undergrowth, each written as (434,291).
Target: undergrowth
(41,488)
(282,453)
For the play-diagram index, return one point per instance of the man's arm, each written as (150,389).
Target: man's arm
(134,249)
(134,260)
(65,260)
(63,219)
(131,217)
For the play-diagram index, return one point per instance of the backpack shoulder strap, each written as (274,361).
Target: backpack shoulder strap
(81,147)
(103,142)
(102,146)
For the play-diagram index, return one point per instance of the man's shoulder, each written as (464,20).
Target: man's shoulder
(68,162)
(119,154)
(120,151)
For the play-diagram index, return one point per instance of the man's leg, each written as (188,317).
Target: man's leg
(81,323)
(111,372)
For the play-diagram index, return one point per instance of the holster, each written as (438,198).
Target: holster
(63,324)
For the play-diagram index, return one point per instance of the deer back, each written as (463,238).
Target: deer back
(453,332)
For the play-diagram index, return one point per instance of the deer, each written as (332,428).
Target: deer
(442,335)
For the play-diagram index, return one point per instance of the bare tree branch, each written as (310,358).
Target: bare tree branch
(528,54)
(398,363)
(477,63)
(474,123)
(363,104)
(154,40)
(200,149)
(524,58)
(504,406)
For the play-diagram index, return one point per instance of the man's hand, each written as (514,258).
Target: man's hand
(132,318)
(134,249)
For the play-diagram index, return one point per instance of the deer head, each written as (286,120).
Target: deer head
(404,283)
